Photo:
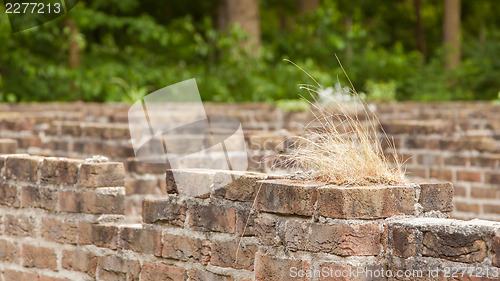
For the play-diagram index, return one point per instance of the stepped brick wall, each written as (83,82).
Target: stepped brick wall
(65,219)
(456,141)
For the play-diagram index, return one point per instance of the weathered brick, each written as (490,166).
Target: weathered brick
(469,176)
(338,239)
(100,235)
(20,225)
(203,275)
(365,202)
(492,178)
(404,242)
(212,218)
(486,193)
(102,174)
(268,268)
(169,210)
(245,222)
(491,209)
(441,174)
(118,268)
(22,168)
(223,254)
(454,246)
(8,146)
(104,200)
(137,239)
(9,252)
(59,171)
(467,207)
(59,230)
(39,197)
(182,248)
(159,271)
(267,230)
(14,275)
(436,196)
(9,195)
(39,257)
(190,182)
(79,260)
(237,186)
(139,167)
(142,186)
(286,197)
(496,250)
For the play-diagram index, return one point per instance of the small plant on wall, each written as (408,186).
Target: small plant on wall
(343,146)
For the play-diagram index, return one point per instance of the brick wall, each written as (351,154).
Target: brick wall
(457,142)
(64,219)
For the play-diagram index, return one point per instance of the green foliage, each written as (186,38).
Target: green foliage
(129,48)
(381,91)
(297,105)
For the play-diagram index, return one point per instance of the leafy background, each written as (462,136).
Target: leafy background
(129,48)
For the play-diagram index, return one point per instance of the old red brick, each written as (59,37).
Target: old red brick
(245,222)
(105,200)
(492,178)
(404,242)
(454,246)
(9,195)
(22,168)
(39,257)
(39,197)
(137,239)
(79,260)
(486,193)
(59,171)
(9,252)
(238,186)
(59,230)
(212,218)
(142,186)
(107,174)
(436,196)
(8,146)
(182,248)
(159,271)
(496,250)
(20,225)
(491,209)
(286,197)
(338,239)
(469,176)
(170,210)
(365,202)
(118,268)
(268,268)
(100,235)
(223,254)
(467,207)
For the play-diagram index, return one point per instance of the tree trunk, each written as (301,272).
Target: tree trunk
(452,33)
(74,51)
(307,5)
(246,14)
(421,46)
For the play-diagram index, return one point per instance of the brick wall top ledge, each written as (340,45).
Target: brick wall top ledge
(357,202)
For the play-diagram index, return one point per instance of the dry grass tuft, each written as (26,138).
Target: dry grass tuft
(344,149)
